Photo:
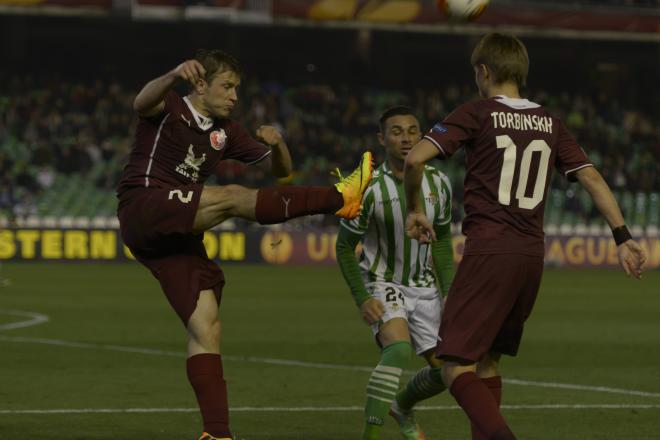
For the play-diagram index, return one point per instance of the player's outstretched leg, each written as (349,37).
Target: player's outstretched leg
(426,383)
(276,205)
(279,204)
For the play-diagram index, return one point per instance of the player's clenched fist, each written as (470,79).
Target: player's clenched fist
(372,310)
(269,135)
(190,70)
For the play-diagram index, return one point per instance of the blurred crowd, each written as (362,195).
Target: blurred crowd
(58,129)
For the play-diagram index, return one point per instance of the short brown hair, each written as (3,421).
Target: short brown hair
(399,110)
(505,56)
(216,61)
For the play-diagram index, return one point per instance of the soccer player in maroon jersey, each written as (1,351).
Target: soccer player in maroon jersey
(164,208)
(511,144)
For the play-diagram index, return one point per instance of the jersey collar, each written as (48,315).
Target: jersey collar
(202,121)
(517,103)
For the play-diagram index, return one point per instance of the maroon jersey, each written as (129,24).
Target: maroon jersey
(510,146)
(180,147)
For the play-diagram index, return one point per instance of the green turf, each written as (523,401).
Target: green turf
(592,328)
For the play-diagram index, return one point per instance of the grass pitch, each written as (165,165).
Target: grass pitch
(109,363)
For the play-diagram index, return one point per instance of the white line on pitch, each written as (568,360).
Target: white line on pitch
(310,409)
(34,319)
(295,363)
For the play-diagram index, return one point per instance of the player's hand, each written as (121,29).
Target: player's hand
(190,71)
(372,310)
(269,135)
(419,227)
(632,258)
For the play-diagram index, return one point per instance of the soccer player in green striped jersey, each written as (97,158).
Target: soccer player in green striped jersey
(398,283)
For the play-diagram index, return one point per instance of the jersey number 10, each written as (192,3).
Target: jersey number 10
(508,170)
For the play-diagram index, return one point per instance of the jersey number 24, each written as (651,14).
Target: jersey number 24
(508,170)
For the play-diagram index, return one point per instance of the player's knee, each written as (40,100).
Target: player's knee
(220,195)
(207,335)
(488,366)
(232,197)
(451,370)
(447,376)
(233,192)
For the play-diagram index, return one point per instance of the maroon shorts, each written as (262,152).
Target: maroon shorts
(156,225)
(487,306)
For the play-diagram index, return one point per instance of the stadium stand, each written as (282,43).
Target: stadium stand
(62,145)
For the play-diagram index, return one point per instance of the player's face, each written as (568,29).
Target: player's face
(401,134)
(221,94)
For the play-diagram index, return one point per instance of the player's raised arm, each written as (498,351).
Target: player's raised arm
(280,159)
(631,256)
(417,225)
(150,100)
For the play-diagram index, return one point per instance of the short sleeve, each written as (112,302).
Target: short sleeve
(360,224)
(570,157)
(458,127)
(445,195)
(173,104)
(243,147)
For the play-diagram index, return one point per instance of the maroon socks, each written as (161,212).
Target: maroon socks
(494,384)
(205,376)
(476,399)
(279,204)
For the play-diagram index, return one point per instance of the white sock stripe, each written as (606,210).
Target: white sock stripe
(423,387)
(425,383)
(391,370)
(371,396)
(382,391)
(387,384)
(385,377)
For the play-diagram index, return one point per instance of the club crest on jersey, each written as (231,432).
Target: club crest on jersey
(218,139)
(439,128)
(191,165)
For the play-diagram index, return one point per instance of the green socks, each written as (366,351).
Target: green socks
(426,383)
(383,386)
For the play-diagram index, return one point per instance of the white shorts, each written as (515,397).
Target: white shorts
(420,306)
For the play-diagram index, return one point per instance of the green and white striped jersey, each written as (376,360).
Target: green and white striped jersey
(388,254)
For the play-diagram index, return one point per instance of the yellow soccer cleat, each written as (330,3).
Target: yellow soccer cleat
(207,436)
(353,186)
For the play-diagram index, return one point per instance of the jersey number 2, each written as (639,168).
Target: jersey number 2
(179,194)
(508,170)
